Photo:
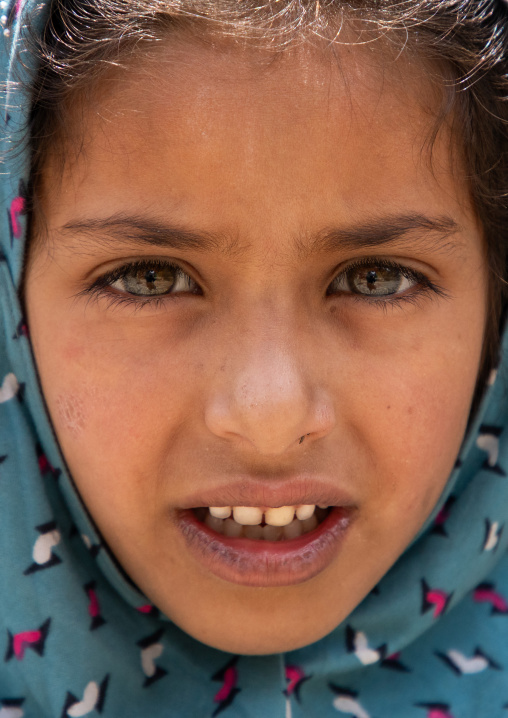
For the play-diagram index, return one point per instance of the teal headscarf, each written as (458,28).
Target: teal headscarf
(79,639)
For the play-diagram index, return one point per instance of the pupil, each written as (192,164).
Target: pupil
(371,277)
(150,277)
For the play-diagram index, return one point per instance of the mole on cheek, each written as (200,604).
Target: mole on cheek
(70,414)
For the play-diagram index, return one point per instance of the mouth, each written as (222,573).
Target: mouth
(263,545)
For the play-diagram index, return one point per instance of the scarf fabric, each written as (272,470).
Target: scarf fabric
(79,639)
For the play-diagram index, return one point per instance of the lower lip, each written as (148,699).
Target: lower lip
(250,562)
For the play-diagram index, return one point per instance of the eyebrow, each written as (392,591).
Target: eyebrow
(138,230)
(412,229)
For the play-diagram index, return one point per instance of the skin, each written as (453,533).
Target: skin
(154,402)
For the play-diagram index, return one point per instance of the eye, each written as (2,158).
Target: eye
(149,279)
(374,278)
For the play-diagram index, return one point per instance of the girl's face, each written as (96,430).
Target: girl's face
(245,253)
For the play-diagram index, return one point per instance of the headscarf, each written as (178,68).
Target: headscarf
(80,639)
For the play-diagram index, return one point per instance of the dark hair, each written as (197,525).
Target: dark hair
(464,42)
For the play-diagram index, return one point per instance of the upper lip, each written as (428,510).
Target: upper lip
(270,492)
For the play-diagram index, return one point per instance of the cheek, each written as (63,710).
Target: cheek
(116,410)
(418,412)
(415,375)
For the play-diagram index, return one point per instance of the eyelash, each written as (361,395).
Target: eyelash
(101,287)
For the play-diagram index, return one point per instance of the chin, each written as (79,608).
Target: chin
(259,644)
(254,635)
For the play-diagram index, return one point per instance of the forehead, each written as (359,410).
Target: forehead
(269,146)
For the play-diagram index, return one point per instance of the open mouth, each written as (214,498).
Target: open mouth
(273,524)
(264,546)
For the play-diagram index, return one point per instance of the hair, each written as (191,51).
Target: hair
(463,41)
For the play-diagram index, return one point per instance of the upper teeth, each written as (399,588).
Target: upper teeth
(253,515)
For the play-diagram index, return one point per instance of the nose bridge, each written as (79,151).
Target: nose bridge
(270,377)
(270,393)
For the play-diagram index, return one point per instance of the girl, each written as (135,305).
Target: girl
(252,449)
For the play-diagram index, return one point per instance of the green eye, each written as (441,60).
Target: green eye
(377,281)
(374,280)
(153,280)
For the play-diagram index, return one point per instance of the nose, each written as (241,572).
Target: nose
(270,393)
